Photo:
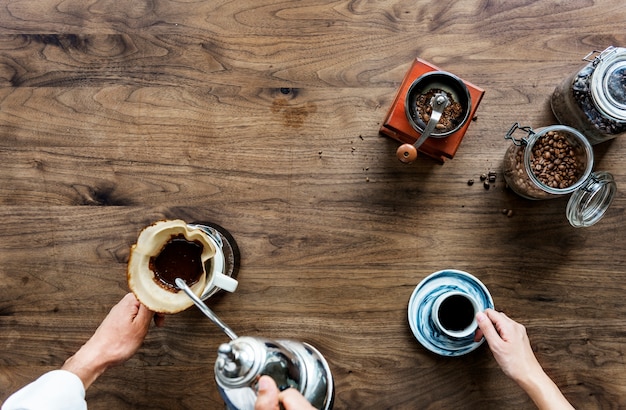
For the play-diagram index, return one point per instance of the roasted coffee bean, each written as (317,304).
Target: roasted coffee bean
(552,163)
(555,161)
(451,117)
(574,105)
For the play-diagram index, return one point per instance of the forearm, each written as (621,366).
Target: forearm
(544,392)
(117,338)
(87,364)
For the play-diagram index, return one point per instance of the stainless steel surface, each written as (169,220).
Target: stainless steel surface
(290,363)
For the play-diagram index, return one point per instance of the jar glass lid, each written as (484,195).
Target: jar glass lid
(608,85)
(589,203)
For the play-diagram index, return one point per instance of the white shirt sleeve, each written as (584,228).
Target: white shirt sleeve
(55,390)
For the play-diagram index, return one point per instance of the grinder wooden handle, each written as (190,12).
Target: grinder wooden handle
(406,153)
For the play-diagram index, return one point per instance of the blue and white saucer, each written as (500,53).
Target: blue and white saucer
(421,305)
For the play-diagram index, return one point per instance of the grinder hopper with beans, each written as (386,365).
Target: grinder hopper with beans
(437,105)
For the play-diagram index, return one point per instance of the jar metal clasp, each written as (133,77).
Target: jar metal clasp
(599,55)
(521,141)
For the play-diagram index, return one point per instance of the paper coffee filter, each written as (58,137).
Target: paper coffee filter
(141,279)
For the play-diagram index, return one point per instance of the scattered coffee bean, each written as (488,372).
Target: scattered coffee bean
(470,182)
(507,212)
(486,184)
(483,177)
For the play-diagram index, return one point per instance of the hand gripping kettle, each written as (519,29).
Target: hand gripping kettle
(243,360)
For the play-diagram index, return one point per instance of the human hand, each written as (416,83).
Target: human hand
(509,344)
(118,337)
(270,398)
(511,348)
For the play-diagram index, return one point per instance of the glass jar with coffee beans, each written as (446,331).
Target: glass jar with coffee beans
(593,100)
(556,161)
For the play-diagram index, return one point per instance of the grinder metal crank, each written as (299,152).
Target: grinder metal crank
(410,117)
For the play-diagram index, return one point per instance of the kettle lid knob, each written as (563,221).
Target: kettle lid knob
(238,363)
(226,362)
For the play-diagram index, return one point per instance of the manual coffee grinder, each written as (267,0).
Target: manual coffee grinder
(426,89)
(243,360)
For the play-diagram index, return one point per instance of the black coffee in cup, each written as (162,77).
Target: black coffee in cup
(456,313)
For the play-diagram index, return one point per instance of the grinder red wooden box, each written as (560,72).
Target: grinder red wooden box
(398,127)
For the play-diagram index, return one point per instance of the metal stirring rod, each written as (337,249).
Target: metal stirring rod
(205,309)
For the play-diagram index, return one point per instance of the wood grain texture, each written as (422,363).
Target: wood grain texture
(263,116)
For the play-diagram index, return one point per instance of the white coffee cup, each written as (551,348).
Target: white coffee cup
(454,314)
(162,297)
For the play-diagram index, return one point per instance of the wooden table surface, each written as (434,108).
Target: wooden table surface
(263,116)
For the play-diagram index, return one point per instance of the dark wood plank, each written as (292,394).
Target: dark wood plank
(264,117)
